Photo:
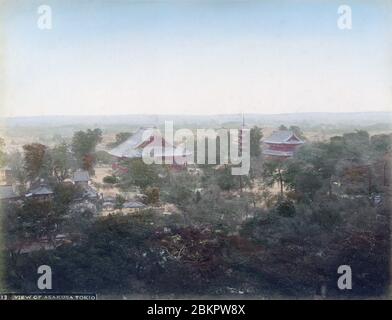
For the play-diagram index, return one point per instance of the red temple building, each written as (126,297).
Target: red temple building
(281,144)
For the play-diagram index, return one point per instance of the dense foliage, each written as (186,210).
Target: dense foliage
(225,236)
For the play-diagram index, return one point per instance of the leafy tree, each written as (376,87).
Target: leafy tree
(356,144)
(35,160)
(282,127)
(110,179)
(64,194)
(139,174)
(225,180)
(327,213)
(308,182)
(381,143)
(302,178)
(285,208)
(298,132)
(255,138)
(179,188)
(32,222)
(314,166)
(88,162)
(221,213)
(119,201)
(84,144)
(273,173)
(62,161)
(152,194)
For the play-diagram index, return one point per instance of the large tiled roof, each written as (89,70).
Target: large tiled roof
(41,190)
(133,146)
(283,136)
(133,205)
(90,192)
(129,148)
(81,176)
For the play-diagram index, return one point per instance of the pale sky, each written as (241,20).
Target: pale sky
(195,57)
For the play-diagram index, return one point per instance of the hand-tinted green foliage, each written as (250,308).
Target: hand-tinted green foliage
(139,174)
(225,180)
(178,189)
(381,143)
(285,208)
(216,239)
(255,137)
(298,132)
(35,160)
(110,179)
(83,146)
(62,161)
(152,194)
(119,201)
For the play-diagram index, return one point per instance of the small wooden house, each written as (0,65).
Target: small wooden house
(81,178)
(42,192)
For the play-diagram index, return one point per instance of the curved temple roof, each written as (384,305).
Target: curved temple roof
(133,146)
(283,136)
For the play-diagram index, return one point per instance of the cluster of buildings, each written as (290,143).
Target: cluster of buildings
(281,144)
(40,190)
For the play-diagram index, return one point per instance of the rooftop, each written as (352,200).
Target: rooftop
(130,147)
(133,146)
(81,176)
(133,205)
(42,190)
(283,136)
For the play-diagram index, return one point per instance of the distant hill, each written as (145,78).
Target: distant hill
(301,119)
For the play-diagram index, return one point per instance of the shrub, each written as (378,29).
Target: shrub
(285,208)
(119,202)
(152,194)
(110,179)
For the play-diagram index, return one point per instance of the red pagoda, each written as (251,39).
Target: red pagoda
(281,144)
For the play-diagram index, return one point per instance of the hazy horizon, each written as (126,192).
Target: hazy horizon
(198,114)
